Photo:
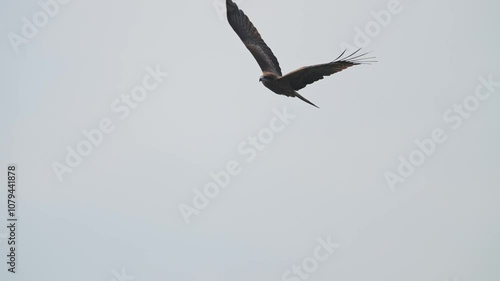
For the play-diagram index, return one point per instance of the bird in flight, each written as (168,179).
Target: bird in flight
(272,78)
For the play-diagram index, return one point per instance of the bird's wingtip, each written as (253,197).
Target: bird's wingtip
(356,58)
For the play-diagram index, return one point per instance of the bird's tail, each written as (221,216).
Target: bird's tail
(304,99)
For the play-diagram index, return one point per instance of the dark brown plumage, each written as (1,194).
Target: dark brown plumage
(272,77)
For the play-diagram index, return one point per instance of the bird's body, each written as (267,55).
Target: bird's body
(274,83)
(272,78)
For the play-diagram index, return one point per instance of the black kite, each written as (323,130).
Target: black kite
(272,77)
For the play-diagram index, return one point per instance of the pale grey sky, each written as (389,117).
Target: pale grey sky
(318,174)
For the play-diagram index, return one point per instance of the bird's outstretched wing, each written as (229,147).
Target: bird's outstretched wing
(304,76)
(252,39)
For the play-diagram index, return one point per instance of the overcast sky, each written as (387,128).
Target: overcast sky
(146,149)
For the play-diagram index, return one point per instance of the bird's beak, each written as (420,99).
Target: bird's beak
(260,79)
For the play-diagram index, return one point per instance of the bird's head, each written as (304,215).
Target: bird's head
(268,76)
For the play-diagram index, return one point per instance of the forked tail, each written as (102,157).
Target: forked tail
(304,99)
